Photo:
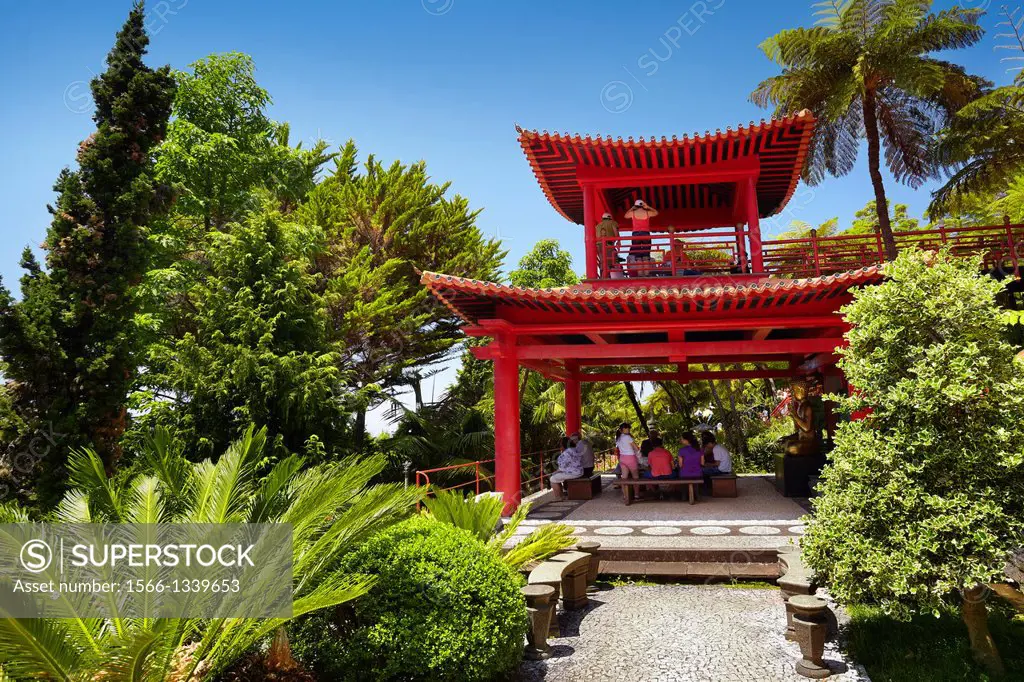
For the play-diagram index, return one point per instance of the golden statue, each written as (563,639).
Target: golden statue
(804,441)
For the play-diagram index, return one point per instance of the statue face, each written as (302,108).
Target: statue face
(799,391)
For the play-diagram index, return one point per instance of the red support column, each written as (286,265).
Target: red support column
(589,234)
(753,220)
(573,415)
(507,465)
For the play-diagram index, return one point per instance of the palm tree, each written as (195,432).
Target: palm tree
(985,140)
(331,507)
(866,72)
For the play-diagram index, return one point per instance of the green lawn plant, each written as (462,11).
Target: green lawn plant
(332,508)
(923,500)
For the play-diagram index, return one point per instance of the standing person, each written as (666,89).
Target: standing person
(640,244)
(569,466)
(717,456)
(691,459)
(586,452)
(607,233)
(629,453)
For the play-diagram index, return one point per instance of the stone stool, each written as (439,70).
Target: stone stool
(595,563)
(810,629)
(540,606)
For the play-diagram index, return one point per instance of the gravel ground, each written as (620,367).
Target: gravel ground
(689,633)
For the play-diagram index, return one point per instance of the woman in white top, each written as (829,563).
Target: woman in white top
(629,462)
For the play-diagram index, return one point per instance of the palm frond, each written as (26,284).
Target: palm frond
(480,516)
(87,474)
(547,540)
(37,648)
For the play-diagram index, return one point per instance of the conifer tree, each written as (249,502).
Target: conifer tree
(68,343)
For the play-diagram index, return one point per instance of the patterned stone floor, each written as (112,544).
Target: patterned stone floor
(759,518)
(687,633)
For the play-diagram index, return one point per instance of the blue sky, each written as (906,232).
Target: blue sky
(439,80)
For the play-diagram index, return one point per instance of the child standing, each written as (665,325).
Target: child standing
(629,461)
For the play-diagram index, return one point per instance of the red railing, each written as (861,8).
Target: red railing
(1000,246)
(718,252)
(670,254)
(535,467)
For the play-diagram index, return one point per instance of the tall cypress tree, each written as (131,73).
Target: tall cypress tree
(68,345)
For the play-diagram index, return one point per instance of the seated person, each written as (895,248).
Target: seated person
(717,459)
(652,441)
(691,459)
(662,466)
(586,451)
(569,466)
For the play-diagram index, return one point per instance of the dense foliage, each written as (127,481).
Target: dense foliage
(443,607)
(867,72)
(68,345)
(922,502)
(332,508)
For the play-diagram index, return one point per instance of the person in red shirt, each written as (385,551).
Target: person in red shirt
(661,463)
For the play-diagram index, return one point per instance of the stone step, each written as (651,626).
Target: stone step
(692,570)
(689,555)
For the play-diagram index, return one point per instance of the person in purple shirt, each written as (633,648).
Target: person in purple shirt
(691,458)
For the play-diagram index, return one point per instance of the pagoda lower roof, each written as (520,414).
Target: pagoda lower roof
(780,146)
(474,300)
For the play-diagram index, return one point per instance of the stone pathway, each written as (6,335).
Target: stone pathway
(689,633)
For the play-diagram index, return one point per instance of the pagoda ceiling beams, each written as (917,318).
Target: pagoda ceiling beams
(732,170)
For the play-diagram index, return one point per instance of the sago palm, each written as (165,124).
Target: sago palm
(481,515)
(331,508)
(866,72)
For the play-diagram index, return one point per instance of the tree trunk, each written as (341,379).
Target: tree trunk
(983,647)
(874,168)
(360,429)
(631,392)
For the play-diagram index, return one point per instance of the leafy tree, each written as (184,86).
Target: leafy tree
(544,267)
(68,343)
(221,144)
(332,509)
(866,72)
(253,348)
(922,501)
(383,227)
(984,142)
(865,220)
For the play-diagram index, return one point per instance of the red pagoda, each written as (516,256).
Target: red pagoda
(679,283)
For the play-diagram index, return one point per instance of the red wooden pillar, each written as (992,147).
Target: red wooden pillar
(741,248)
(753,220)
(573,414)
(589,233)
(507,465)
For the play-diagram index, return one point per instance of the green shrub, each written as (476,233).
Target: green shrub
(762,447)
(443,607)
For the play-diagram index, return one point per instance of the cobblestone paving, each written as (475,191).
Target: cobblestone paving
(685,633)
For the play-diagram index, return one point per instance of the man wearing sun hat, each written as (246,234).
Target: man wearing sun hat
(607,251)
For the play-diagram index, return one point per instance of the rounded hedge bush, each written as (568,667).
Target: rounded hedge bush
(444,607)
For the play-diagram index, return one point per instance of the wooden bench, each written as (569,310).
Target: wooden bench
(586,488)
(628,486)
(723,485)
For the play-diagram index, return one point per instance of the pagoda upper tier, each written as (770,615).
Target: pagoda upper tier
(692,181)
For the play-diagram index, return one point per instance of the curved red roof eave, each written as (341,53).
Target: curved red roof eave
(780,143)
(472,300)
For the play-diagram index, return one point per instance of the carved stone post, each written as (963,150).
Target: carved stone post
(540,605)
(574,587)
(595,563)
(809,624)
